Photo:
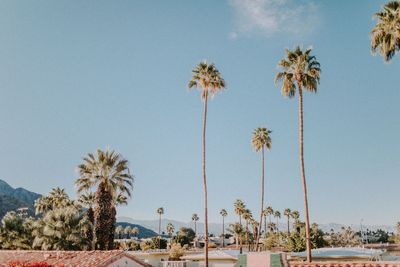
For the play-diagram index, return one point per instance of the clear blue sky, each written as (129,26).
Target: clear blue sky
(81,75)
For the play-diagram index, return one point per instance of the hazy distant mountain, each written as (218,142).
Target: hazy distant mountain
(12,199)
(216,228)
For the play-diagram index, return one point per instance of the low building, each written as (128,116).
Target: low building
(113,258)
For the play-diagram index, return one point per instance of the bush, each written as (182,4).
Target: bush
(176,252)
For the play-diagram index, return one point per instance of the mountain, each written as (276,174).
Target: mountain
(143,231)
(12,199)
(216,228)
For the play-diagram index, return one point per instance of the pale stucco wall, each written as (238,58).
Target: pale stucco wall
(125,262)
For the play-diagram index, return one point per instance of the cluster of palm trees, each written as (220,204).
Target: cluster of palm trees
(300,71)
(128,231)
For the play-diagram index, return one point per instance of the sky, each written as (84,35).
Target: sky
(80,75)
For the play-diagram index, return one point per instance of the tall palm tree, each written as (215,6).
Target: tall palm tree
(160,212)
(385,36)
(277,216)
(170,229)
(260,140)
(208,79)
(223,213)
(239,208)
(288,213)
(127,232)
(195,218)
(106,172)
(119,230)
(300,71)
(135,231)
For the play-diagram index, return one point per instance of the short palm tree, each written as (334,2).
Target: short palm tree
(108,174)
(135,231)
(295,215)
(208,79)
(170,229)
(247,216)
(288,213)
(119,230)
(237,230)
(223,213)
(277,216)
(261,140)
(128,232)
(195,218)
(239,208)
(300,71)
(385,36)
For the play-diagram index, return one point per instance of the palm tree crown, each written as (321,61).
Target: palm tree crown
(206,77)
(223,213)
(160,211)
(195,217)
(301,68)
(261,137)
(385,36)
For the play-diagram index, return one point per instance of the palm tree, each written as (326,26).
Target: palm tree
(87,200)
(119,230)
(385,36)
(277,216)
(247,216)
(237,230)
(239,207)
(170,229)
(135,231)
(127,232)
(223,213)
(208,79)
(265,213)
(106,172)
(57,198)
(261,139)
(160,212)
(300,69)
(61,229)
(270,211)
(195,218)
(288,213)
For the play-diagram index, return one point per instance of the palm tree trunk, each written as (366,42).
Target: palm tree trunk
(205,181)
(265,225)
(288,222)
(262,198)
(223,231)
(195,229)
(159,232)
(303,176)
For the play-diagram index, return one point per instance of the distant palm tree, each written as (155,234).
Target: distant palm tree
(195,218)
(288,213)
(108,173)
(119,230)
(295,215)
(270,211)
(57,198)
(237,230)
(277,216)
(265,214)
(239,207)
(127,232)
(255,225)
(300,69)
(208,79)
(160,212)
(385,36)
(223,213)
(260,140)
(135,231)
(170,229)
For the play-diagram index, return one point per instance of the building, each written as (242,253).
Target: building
(113,258)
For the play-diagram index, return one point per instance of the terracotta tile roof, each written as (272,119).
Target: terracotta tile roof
(346,264)
(66,258)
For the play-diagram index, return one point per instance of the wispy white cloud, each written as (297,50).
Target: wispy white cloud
(268,17)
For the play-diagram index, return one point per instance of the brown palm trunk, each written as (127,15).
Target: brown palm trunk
(102,217)
(223,231)
(288,222)
(303,176)
(262,198)
(159,232)
(205,181)
(195,229)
